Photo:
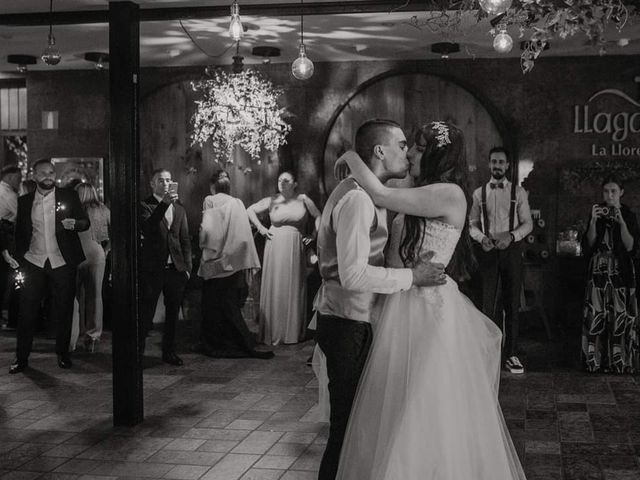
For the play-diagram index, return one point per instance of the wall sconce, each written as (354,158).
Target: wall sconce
(49,119)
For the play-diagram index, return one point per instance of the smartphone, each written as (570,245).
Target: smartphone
(173,187)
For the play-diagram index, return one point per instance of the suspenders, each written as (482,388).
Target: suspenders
(485,214)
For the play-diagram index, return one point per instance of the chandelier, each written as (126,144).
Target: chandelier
(238,109)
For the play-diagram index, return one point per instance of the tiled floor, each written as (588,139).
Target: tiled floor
(241,419)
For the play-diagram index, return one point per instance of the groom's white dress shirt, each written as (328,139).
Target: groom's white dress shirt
(360,230)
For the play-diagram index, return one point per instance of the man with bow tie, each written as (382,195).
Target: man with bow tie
(166,260)
(499,219)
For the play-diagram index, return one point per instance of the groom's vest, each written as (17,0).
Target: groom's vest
(333,298)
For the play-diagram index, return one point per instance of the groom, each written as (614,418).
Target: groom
(351,240)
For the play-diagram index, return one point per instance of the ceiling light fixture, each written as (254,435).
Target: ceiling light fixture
(101,59)
(235,27)
(445,49)
(51,54)
(266,52)
(302,67)
(22,61)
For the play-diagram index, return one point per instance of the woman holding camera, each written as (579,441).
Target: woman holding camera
(609,334)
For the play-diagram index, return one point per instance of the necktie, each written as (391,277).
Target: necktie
(496,185)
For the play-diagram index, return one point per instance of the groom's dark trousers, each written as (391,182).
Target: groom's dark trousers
(346,345)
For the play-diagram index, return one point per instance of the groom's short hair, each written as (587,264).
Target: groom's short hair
(371,133)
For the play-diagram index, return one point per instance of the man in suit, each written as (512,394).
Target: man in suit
(49,251)
(166,259)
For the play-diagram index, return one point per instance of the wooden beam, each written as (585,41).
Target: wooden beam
(192,13)
(124,174)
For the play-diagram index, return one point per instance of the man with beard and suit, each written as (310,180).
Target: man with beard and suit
(49,251)
(499,219)
(166,259)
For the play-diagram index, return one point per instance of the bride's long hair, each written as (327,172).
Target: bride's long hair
(443,161)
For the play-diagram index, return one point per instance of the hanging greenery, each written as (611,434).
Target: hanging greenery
(537,21)
(238,109)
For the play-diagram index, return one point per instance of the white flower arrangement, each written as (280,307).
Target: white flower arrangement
(238,109)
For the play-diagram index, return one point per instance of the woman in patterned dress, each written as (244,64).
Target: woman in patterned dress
(610,327)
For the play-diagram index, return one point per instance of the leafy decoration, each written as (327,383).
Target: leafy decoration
(238,109)
(538,21)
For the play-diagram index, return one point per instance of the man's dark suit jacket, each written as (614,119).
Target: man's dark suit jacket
(159,240)
(67,206)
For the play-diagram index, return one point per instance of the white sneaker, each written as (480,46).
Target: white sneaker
(514,365)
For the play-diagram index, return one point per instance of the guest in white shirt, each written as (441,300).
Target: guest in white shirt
(49,251)
(499,219)
(228,256)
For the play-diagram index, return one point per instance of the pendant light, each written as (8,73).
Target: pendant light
(235,27)
(502,43)
(495,7)
(302,67)
(51,54)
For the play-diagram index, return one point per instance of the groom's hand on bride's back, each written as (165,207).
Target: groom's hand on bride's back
(427,273)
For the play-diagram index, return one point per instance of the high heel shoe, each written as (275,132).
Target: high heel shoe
(91,344)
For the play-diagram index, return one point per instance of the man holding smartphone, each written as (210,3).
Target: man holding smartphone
(166,259)
(499,219)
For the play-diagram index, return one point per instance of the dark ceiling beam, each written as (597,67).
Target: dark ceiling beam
(192,13)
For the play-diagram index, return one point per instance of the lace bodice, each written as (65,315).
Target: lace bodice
(439,237)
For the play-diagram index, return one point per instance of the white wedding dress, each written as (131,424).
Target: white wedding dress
(427,403)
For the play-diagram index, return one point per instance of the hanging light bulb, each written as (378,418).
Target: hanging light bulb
(302,67)
(495,7)
(235,27)
(503,43)
(51,54)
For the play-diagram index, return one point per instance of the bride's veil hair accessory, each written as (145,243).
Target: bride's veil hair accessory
(442,133)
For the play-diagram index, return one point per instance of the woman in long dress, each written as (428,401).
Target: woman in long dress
(283,286)
(610,326)
(427,403)
(88,317)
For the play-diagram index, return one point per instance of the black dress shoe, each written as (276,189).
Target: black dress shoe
(64,361)
(172,359)
(266,355)
(17,367)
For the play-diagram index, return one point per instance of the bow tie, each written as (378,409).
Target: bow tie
(496,185)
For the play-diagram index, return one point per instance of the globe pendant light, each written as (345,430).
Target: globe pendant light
(51,54)
(503,43)
(302,67)
(235,27)
(495,7)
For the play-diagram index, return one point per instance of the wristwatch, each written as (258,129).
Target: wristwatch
(513,237)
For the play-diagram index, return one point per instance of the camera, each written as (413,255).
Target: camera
(608,212)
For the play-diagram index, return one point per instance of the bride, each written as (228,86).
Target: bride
(427,403)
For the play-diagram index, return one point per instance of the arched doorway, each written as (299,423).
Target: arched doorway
(412,98)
